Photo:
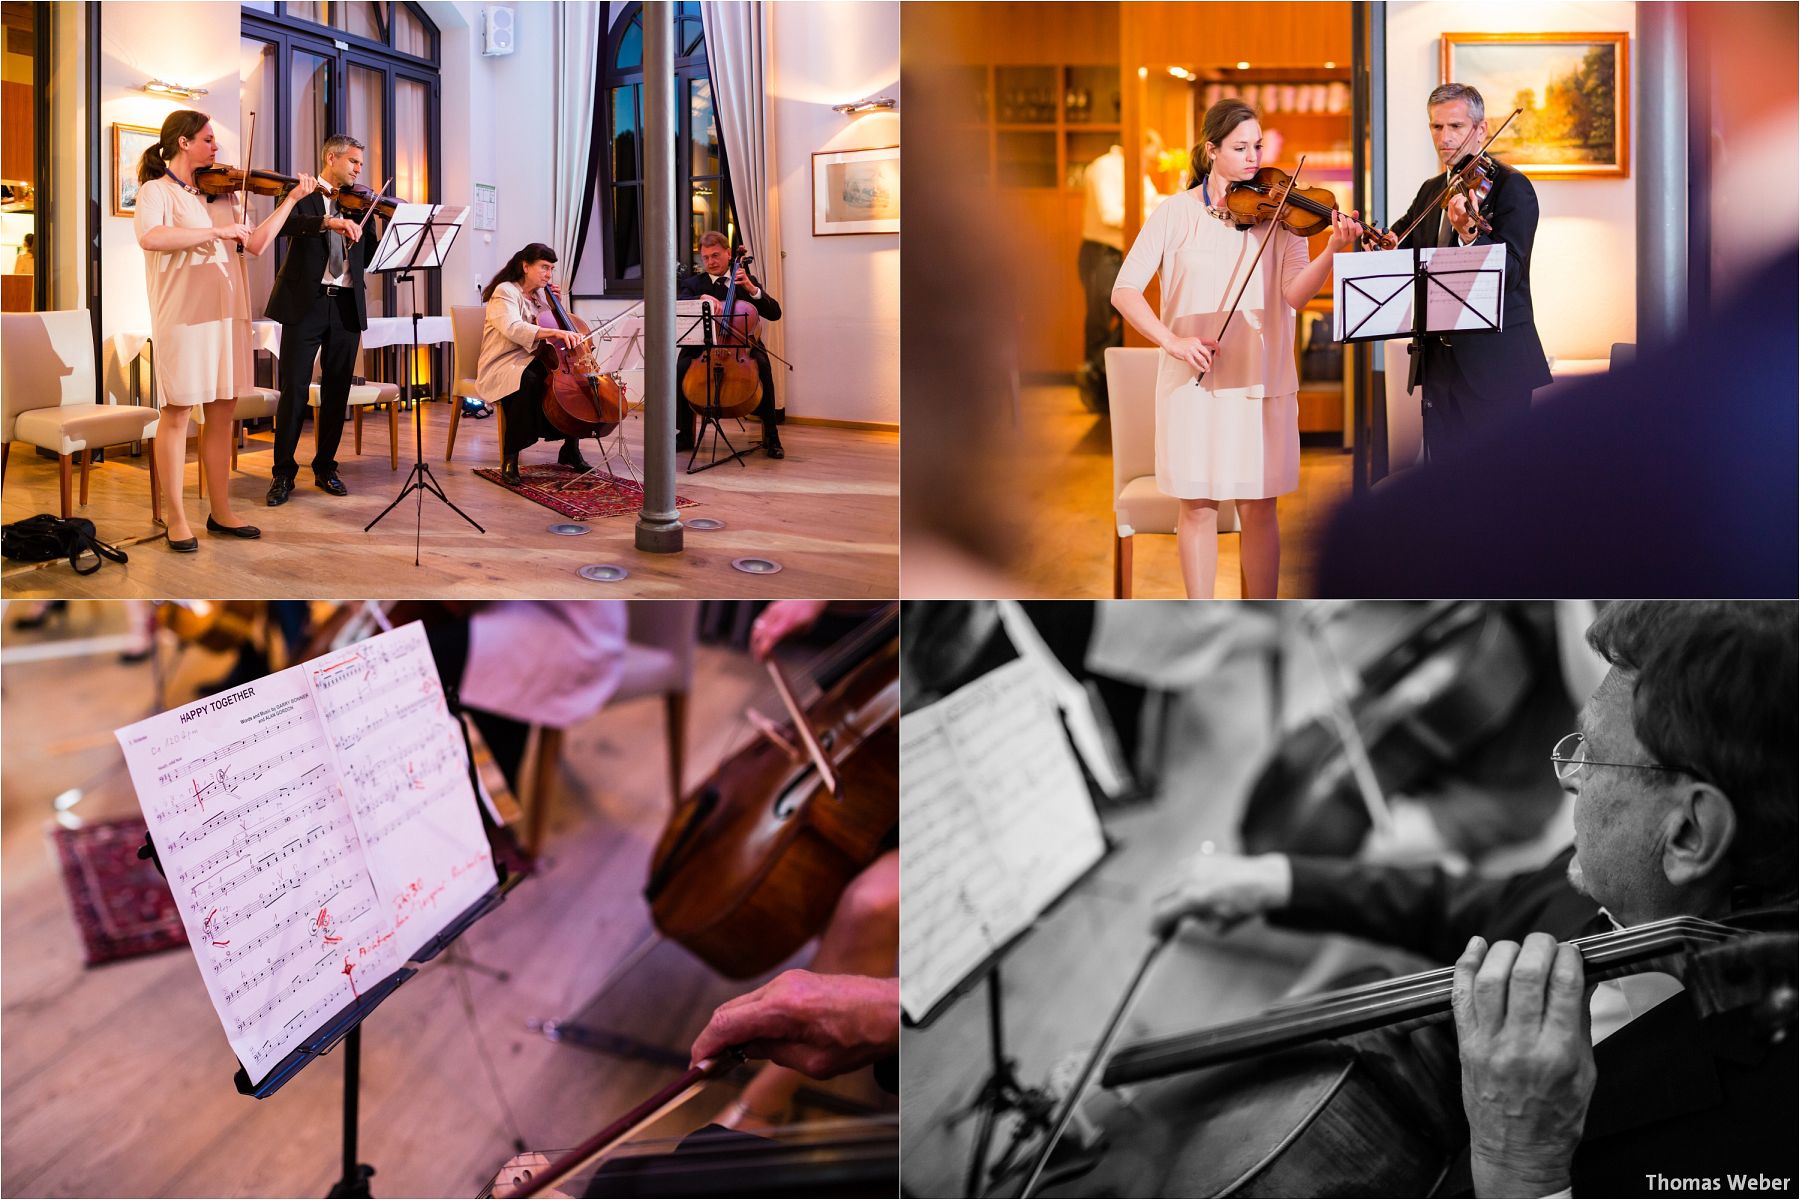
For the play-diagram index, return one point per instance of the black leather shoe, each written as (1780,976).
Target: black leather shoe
(237,531)
(184,545)
(332,484)
(570,456)
(509,471)
(279,491)
(771,444)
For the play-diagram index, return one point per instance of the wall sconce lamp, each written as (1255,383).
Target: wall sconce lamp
(161,87)
(857,108)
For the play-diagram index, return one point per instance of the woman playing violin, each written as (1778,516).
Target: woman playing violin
(199,310)
(515,303)
(1227,415)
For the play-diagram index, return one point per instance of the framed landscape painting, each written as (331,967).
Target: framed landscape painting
(1574,90)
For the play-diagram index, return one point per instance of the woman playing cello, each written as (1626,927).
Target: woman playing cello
(508,367)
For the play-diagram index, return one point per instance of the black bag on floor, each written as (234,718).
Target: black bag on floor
(47,537)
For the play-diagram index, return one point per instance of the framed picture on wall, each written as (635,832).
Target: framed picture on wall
(1574,88)
(129,144)
(856,191)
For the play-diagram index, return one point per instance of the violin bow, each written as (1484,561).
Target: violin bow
(375,201)
(1445,186)
(814,751)
(1104,1046)
(249,154)
(1274,224)
(632,1123)
(1362,769)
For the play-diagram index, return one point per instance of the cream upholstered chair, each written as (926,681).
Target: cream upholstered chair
(1138,505)
(467,320)
(254,405)
(659,661)
(47,398)
(362,395)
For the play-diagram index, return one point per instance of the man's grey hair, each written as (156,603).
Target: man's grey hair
(338,143)
(1448,93)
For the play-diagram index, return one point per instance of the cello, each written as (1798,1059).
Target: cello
(1357,1091)
(752,862)
(724,379)
(579,400)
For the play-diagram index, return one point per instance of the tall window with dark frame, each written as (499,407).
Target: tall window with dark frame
(702,177)
(368,68)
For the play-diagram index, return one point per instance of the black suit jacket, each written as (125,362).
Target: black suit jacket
(297,286)
(1674,1095)
(699,284)
(1512,359)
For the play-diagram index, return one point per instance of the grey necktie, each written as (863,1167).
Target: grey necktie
(334,248)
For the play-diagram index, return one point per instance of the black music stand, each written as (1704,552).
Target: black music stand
(709,415)
(408,246)
(1381,289)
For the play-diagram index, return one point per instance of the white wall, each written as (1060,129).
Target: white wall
(140,42)
(1584,262)
(841,295)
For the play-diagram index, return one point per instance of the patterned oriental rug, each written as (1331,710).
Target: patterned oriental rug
(122,905)
(603,495)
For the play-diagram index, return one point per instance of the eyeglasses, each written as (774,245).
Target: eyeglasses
(1570,755)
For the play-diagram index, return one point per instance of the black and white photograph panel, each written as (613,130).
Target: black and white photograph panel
(1450,898)
(439,898)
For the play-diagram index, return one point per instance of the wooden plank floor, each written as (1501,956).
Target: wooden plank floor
(117,1079)
(828,512)
(1062,481)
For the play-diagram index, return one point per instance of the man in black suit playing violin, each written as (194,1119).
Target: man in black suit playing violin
(318,298)
(1683,775)
(1472,379)
(713,280)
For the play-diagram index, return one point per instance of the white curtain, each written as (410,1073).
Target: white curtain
(737,59)
(580,31)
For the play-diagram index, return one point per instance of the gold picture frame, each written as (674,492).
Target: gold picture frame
(129,144)
(856,191)
(1575,89)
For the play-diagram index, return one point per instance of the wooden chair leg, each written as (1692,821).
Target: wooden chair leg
(5,453)
(1121,567)
(394,436)
(155,488)
(675,727)
(87,460)
(199,463)
(63,479)
(237,439)
(455,419)
(543,787)
(501,410)
(359,430)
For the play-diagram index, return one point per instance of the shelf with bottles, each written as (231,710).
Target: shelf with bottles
(1050,95)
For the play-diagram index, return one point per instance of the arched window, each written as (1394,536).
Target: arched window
(702,181)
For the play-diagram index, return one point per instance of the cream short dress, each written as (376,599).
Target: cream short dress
(1235,436)
(199,314)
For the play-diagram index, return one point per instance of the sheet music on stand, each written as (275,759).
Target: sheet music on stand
(418,235)
(317,830)
(1373,292)
(996,823)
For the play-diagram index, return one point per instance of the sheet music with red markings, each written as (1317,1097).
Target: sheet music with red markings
(316,827)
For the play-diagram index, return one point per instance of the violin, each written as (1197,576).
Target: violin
(1474,178)
(579,400)
(219,180)
(725,380)
(752,863)
(1309,210)
(1451,682)
(1357,1091)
